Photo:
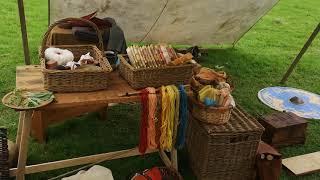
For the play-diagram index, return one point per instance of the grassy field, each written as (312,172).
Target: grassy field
(258,60)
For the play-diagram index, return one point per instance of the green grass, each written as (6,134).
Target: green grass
(258,60)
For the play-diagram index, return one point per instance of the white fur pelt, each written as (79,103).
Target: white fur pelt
(94,173)
(62,56)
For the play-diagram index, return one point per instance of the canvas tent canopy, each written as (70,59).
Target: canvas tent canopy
(179,21)
(185,22)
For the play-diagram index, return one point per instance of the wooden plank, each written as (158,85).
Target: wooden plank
(79,161)
(174,158)
(19,131)
(304,164)
(30,78)
(22,159)
(165,158)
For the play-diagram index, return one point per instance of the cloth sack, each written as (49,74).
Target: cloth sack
(96,172)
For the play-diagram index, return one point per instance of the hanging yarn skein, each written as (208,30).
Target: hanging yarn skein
(143,141)
(173,118)
(152,105)
(183,118)
(176,114)
(168,112)
(164,117)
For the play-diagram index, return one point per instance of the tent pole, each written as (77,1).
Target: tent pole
(24,32)
(49,12)
(302,51)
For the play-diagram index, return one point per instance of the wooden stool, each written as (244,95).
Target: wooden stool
(283,129)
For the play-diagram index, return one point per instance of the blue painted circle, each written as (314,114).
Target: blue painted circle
(278,98)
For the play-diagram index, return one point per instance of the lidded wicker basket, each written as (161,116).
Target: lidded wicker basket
(226,151)
(79,80)
(213,115)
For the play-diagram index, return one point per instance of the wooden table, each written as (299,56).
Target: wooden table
(68,105)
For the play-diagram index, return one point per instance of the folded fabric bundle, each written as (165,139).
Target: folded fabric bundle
(101,24)
(113,37)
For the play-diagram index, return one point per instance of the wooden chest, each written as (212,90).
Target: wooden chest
(283,129)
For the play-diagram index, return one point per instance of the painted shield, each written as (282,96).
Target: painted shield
(300,102)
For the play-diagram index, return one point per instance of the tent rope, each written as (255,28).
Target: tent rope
(155,22)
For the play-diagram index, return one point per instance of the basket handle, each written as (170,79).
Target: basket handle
(66,20)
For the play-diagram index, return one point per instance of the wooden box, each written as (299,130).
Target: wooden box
(225,151)
(283,129)
(60,36)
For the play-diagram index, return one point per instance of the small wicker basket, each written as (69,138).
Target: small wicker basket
(155,77)
(213,115)
(196,86)
(75,80)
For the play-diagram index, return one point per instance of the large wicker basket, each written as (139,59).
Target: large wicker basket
(226,151)
(155,77)
(213,115)
(76,80)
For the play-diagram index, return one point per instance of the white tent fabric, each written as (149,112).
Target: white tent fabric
(181,21)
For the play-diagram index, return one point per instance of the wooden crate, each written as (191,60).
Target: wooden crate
(225,151)
(283,129)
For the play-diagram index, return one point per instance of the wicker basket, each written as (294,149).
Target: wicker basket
(76,80)
(4,154)
(224,152)
(213,115)
(155,77)
(170,174)
(167,173)
(196,90)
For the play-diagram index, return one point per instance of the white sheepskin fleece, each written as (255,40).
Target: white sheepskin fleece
(62,56)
